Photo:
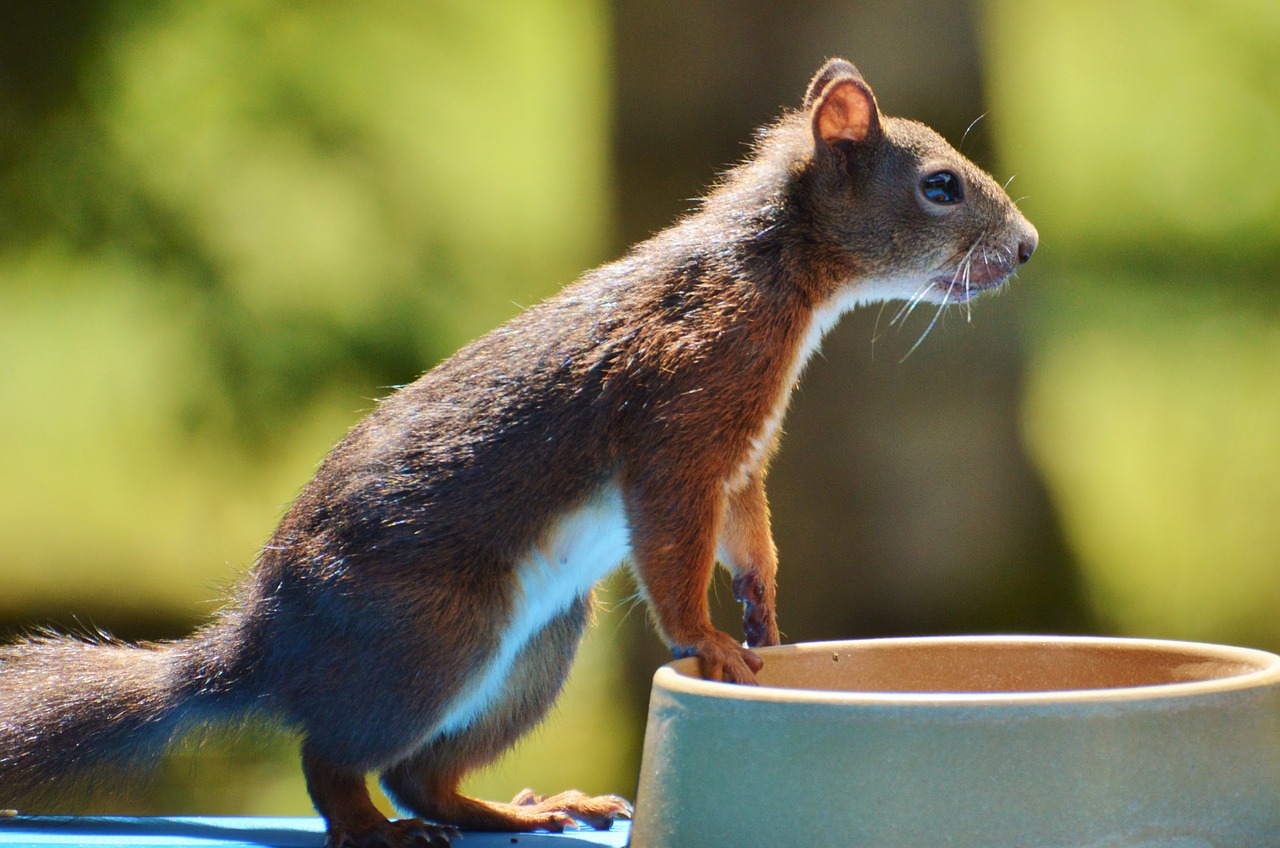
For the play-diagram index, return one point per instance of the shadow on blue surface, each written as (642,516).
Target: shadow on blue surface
(119,832)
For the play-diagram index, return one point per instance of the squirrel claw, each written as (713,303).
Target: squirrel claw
(759,622)
(557,822)
(759,626)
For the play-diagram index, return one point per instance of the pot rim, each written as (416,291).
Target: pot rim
(1259,669)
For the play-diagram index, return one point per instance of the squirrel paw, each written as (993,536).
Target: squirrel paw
(721,658)
(404,833)
(759,620)
(598,812)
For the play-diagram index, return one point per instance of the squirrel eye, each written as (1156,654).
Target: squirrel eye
(941,187)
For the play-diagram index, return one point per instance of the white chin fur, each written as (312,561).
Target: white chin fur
(908,288)
(863,292)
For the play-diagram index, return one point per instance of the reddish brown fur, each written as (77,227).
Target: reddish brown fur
(389,587)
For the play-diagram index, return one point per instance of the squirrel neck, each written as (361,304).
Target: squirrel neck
(759,221)
(724,310)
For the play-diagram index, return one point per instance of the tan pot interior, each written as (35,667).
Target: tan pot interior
(998,666)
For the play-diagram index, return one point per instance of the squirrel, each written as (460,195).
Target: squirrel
(419,606)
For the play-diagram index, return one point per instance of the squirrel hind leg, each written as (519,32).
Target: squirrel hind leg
(426,783)
(351,819)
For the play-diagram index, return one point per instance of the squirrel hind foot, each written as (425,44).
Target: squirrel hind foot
(402,833)
(526,813)
(598,812)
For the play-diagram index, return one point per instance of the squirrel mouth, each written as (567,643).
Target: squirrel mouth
(971,278)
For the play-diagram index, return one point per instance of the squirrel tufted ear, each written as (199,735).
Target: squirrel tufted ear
(842,105)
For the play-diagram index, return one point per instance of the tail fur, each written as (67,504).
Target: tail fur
(72,709)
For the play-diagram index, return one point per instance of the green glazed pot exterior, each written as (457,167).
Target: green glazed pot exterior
(989,742)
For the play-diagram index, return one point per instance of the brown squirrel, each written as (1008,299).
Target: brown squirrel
(419,606)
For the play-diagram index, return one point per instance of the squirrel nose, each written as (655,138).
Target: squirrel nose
(1026,247)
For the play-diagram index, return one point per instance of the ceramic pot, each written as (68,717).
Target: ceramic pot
(975,742)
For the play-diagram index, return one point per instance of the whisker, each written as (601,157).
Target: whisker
(980,243)
(875,329)
(962,276)
(927,330)
(970,127)
(911,304)
(968,304)
(915,301)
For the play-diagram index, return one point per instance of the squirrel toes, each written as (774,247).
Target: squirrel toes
(419,606)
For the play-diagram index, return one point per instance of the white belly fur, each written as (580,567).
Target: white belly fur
(580,548)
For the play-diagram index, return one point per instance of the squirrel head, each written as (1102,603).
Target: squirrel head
(896,208)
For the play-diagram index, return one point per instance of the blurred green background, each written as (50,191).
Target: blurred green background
(226,228)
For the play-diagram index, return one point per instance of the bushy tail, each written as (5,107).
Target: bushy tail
(73,709)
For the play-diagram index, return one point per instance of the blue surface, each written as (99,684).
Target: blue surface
(251,832)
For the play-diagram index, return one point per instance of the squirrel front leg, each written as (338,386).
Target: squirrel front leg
(747,550)
(674,524)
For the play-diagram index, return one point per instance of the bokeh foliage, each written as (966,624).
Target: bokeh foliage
(1144,136)
(224,230)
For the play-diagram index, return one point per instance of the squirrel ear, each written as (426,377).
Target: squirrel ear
(832,69)
(842,105)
